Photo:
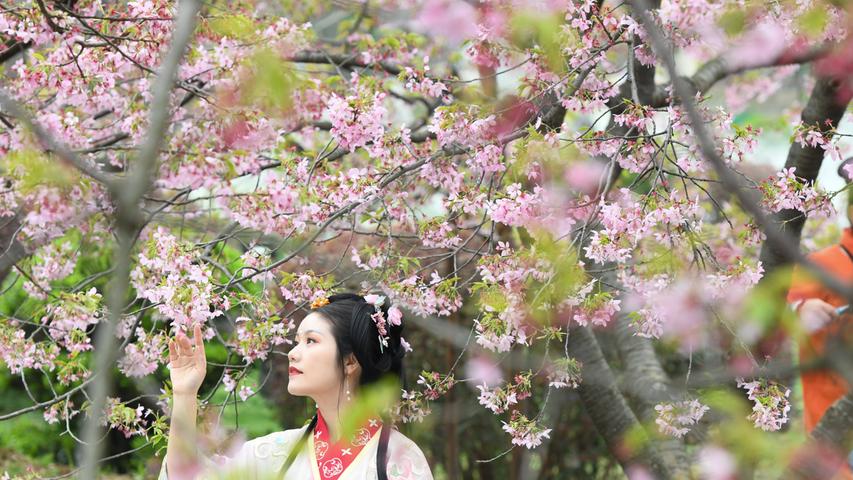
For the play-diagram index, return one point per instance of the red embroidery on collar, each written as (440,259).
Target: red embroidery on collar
(334,458)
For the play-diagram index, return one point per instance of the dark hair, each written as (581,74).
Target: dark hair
(356,333)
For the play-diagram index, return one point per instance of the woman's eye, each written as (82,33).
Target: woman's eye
(310,340)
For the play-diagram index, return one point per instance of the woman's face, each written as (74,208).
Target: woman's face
(314,368)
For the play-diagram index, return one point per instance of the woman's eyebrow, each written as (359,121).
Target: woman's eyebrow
(309,331)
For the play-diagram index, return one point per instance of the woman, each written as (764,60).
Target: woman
(346,343)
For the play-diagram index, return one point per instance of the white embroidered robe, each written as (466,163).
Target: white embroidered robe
(262,458)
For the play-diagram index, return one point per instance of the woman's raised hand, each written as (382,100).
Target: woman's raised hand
(187,362)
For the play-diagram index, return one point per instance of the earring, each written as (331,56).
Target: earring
(349,398)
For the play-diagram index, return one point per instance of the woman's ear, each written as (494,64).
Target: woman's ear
(351,366)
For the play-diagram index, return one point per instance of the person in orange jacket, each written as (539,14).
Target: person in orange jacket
(822,313)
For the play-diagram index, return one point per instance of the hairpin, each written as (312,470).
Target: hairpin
(319,302)
(379,319)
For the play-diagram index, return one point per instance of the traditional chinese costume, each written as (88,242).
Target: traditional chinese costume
(320,459)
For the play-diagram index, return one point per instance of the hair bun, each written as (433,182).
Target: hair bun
(375,358)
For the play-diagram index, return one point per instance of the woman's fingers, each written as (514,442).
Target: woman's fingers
(197,338)
(186,345)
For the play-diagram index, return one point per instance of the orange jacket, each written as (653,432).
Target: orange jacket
(821,388)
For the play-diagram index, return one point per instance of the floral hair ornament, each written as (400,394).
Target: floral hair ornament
(395,317)
(379,319)
(319,302)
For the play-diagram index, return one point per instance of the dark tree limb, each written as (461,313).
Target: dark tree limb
(12,49)
(646,382)
(822,111)
(11,250)
(719,68)
(607,408)
(343,60)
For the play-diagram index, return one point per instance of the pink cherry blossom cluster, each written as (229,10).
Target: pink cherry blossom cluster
(500,399)
(814,138)
(435,384)
(677,308)
(19,352)
(144,356)
(229,383)
(271,208)
(486,54)
(127,420)
(375,261)
(510,269)
(466,127)
(597,310)
(62,410)
(69,319)
(637,117)
(675,418)
(169,275)
(51,212)
(525,432)
(357,119)
(245,392)
(439,233)
(516,207)
(626,222)
(770,403)
(304,287)
(412,407)
(419,81)
(564,372)
(437,297)
(789,192)
(498,332)
(256,260)
(51,262)
(487,159)
(593,94)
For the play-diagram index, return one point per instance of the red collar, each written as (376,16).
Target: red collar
(334,458)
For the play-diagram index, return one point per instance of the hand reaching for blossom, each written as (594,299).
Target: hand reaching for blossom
(815,314)
(187,362)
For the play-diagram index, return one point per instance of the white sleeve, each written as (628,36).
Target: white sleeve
(216,466)
(257,459)
(406,461)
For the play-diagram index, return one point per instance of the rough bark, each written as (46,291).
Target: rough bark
(647,384)
(604,403)
(830,443)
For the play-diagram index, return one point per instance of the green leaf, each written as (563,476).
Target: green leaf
(233,26)
(814,21)
(33,169)
(732,22)
(273,82)
(542,33)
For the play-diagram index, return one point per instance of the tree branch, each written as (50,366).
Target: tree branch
(139,180)
(343,60)
(719,68)
(50,144)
